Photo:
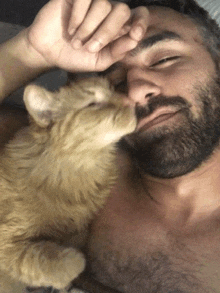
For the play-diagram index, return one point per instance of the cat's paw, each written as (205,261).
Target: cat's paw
(70,266)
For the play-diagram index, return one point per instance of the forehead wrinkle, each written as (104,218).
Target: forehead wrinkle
(154,40)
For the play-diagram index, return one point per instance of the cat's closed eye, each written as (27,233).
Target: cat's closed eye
(96,104)
(92,104)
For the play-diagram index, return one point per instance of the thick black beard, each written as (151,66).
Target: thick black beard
(170,152)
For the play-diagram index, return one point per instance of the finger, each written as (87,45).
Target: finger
(114,52)
(125,29)
(79,10)
(122,46)
(139,23)
(110,27)
(95,16)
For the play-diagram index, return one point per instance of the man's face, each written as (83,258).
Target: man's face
(173,82)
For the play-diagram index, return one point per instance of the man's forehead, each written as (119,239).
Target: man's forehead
(164,18)
(166,25)
(158,12)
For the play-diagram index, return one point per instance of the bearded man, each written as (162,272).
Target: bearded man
(159,231)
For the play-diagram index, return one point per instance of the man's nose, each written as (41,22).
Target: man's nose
(141,87)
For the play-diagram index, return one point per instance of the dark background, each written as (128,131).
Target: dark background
(20,11)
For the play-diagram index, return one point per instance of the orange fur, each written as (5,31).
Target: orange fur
(55,175)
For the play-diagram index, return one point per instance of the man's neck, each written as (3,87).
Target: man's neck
(193,197)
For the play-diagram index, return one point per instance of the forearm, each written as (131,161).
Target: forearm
(19,63)
(49,41)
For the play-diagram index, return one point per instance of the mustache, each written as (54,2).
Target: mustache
(155,103)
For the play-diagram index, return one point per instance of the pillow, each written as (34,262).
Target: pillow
(213,7)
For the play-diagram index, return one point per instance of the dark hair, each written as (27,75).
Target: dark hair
(208,27)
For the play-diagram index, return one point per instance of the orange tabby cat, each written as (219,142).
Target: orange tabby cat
(54,176)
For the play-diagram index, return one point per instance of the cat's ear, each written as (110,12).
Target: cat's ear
(38,102)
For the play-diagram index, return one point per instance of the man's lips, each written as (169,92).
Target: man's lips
(157,117)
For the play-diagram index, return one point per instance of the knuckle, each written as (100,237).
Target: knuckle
(107,31)
(141,17)
(143,9)
(123,9)
(105,4)
(83,32)
(106,35)
(76,21)
(108,7)
(142,13)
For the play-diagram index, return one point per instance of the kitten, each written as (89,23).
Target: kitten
(55,175)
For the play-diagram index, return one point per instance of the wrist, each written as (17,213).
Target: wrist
(28,55)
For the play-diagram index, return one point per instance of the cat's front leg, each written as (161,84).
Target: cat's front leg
(47,264)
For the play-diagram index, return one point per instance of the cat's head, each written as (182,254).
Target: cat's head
(87,109)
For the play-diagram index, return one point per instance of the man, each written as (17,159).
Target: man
(160,229)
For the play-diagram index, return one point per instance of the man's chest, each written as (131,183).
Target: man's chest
(135,253)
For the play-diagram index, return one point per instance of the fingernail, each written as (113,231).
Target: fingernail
(77,44)
(94,46)
(137,32)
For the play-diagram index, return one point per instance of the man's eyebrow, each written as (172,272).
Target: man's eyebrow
(155,39)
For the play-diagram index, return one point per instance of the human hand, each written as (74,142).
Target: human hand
(86,35)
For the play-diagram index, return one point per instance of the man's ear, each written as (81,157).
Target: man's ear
(39,103)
